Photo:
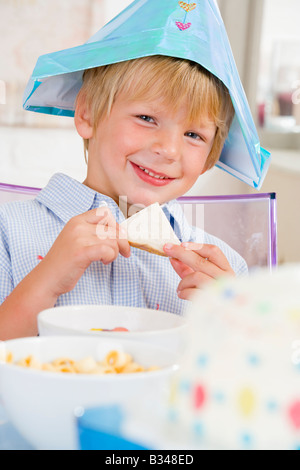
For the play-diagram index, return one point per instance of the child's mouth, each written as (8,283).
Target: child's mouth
(150,177)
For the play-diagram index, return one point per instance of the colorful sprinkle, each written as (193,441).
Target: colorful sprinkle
(294,315)
(172,415)
(198,428)
(246,401)
(199,397)
(253,360)
(272,406)
(173,392)
(40,257)
(202,360)
(185,386)
(229,293)
(246,439)
(264,307)
(294,413)
(219,397)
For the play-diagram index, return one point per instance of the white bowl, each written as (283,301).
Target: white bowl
(146,325)
(41,404)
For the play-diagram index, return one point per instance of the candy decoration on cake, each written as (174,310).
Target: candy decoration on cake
(199,396)
(239,381)
(294,413)
(246,401)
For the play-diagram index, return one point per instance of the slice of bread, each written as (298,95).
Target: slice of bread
(149,230)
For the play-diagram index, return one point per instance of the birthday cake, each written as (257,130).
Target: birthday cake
(239,383)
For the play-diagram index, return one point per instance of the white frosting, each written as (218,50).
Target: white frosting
(239,385)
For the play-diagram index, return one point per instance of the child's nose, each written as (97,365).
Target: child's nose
(167,145)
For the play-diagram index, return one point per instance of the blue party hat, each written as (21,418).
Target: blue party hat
(187,30)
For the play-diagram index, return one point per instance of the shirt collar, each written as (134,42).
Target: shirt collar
(67,198)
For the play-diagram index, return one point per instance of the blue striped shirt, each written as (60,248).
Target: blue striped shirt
(29,228)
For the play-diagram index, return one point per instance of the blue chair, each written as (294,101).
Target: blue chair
(247,222)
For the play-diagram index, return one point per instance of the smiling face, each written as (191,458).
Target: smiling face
(152,126)
(147,152)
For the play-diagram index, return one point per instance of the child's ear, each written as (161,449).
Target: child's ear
(82,118)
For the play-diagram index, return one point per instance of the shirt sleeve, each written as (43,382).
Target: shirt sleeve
(6,281)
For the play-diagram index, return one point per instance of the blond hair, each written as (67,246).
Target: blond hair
(177,81)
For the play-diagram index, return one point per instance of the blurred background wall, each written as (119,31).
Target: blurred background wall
(265,39)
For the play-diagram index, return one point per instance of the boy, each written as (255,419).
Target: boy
(164,115)
(153,120)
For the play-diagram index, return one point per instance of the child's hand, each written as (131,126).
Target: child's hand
(197,264)
(91,236)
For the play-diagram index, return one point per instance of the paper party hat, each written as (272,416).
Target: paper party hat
(187,30)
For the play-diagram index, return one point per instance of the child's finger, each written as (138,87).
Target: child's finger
(193,281)
(124,246)
(181,269)
(211,253)
(107,228)
(106,253)
(116,234)
(94,216)
(187,294)
(106,216)
(207,258)
(193,260)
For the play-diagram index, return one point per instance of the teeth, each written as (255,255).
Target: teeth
(153,175)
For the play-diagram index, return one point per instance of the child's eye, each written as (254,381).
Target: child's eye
(193,135)
(146,118)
